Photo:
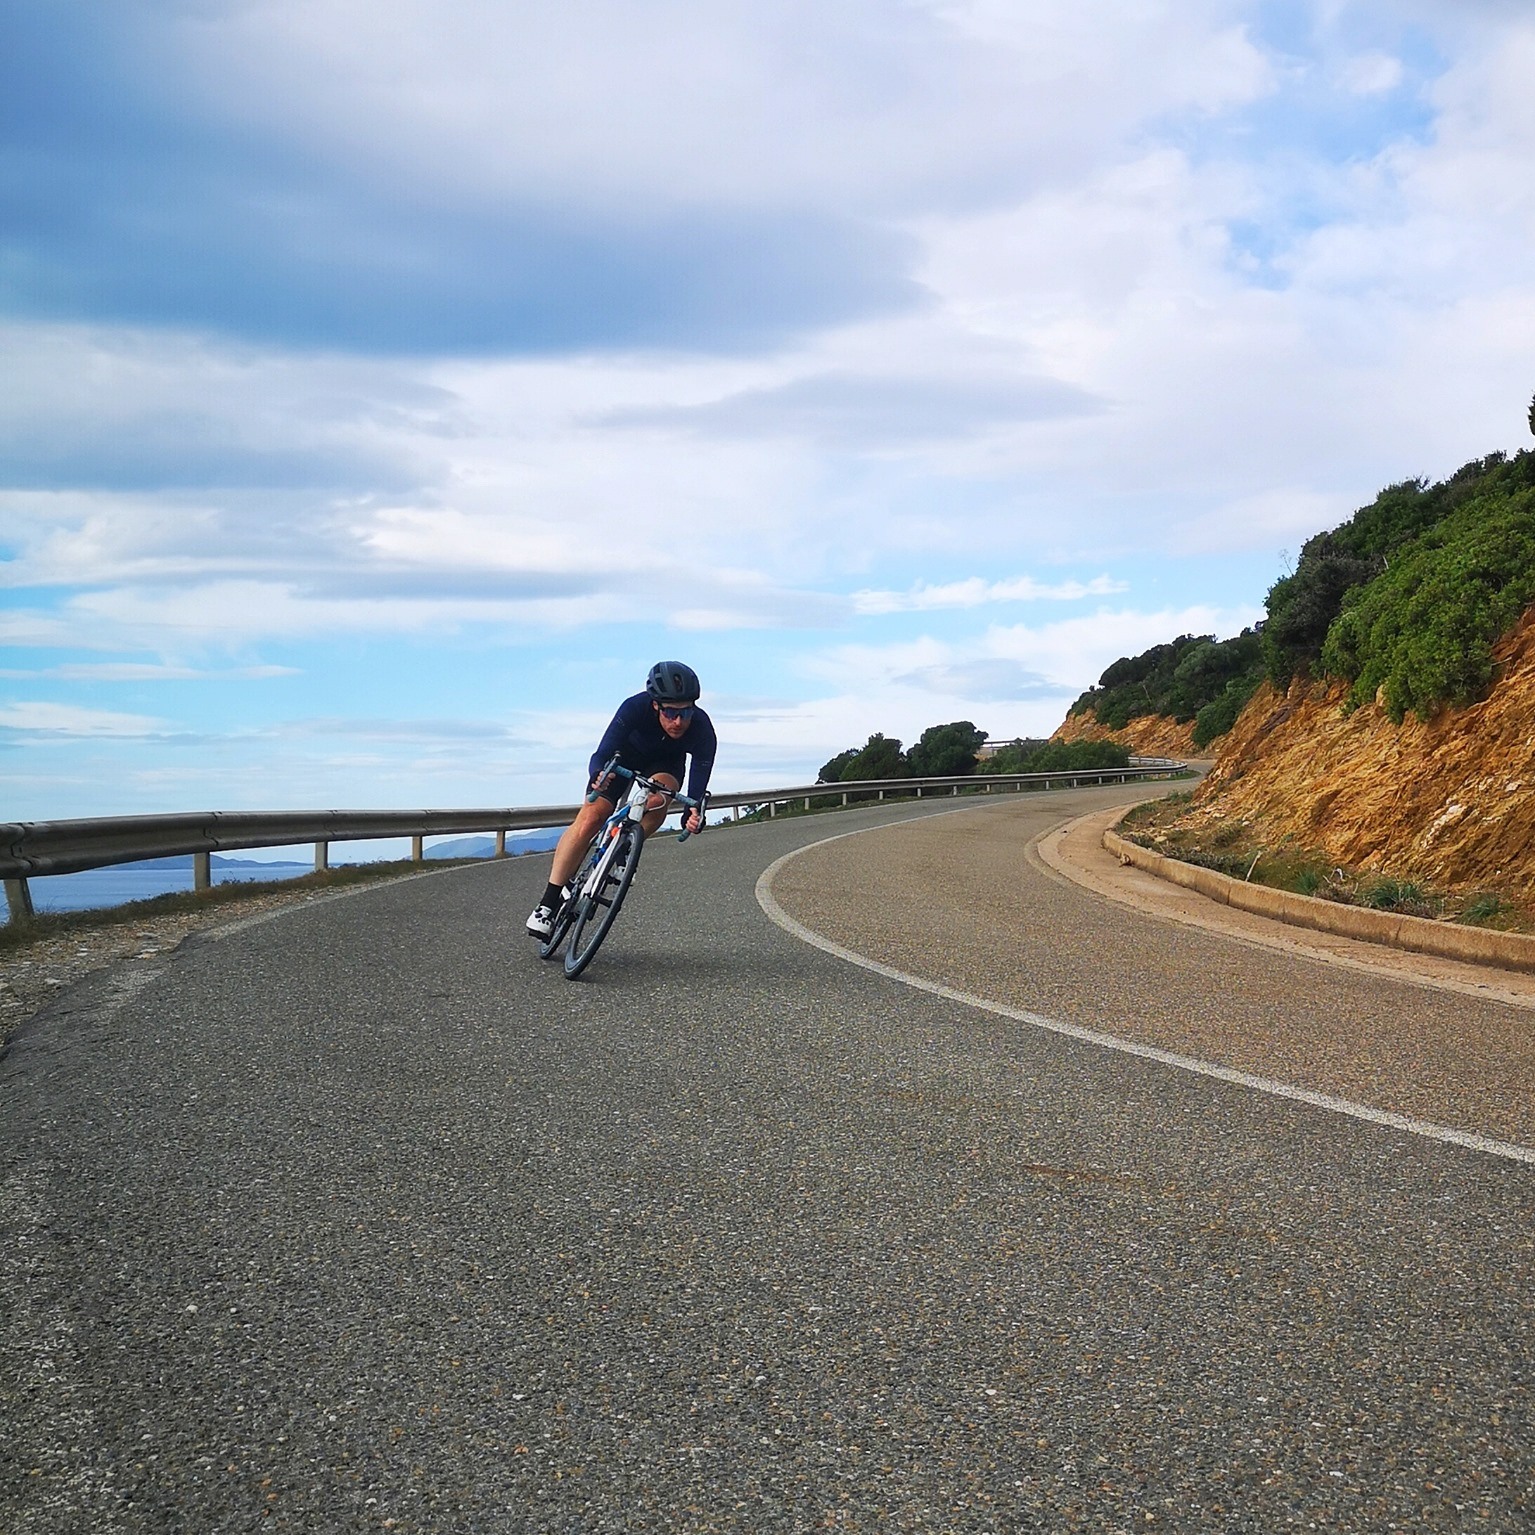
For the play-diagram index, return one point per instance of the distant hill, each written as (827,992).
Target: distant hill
(517,843)
(541,840)
(216,861)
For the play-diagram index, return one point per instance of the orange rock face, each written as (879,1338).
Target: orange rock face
(1451,802)
(1153,735)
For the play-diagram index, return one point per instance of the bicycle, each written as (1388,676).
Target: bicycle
(597,889)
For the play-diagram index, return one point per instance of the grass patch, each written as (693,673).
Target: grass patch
(1401,895)
(1233,848)
(1487,909)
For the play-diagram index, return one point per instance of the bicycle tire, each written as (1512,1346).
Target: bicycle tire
(565,917)
(598,911)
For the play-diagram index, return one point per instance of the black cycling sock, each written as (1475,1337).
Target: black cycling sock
(553,895)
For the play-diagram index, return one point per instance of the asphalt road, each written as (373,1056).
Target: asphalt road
(364,1218)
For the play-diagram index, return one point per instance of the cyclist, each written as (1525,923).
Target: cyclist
(654,733)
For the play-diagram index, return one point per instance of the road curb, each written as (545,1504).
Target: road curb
(1419,935)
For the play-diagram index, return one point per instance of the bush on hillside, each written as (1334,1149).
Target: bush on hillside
(1406,599)
(1179,680)
(1302,606)
(1421,633)
(1134,686)
(1206,671)
(1220,714)
(1336,567)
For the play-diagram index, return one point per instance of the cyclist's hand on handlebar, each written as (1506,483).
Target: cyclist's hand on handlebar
(693,821)
(604,786)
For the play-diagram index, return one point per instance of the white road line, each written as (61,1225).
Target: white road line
(776,913)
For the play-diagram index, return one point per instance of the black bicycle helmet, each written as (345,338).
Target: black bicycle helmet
(670,682)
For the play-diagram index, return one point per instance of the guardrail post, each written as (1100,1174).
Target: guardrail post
(202,871)
(500,844)
(772,809)
(844,799)
(416,848)
(18,898)
(321,857)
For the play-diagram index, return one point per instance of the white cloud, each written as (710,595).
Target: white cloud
(1272,519)
(151,671)
(977,591)
(1372,74)
(861,105)
(1010,680)
(47,722)
(1199,331)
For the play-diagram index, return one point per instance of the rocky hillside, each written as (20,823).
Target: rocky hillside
(1449,801)
(1381,718)
(1149,735)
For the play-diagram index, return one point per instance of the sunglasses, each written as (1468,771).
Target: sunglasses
(668,713)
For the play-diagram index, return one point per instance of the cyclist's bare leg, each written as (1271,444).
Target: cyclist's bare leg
(657,805)
(577,837)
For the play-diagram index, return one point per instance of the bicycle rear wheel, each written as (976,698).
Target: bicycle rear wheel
(565,916)
(550,946)
(595,914)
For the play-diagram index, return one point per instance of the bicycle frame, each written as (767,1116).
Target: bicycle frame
(632,808)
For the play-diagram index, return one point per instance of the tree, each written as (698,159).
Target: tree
(879,757)
(832,772)
(945,751)
(1532,413)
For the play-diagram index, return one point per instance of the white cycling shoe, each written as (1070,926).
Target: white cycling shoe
(540,922)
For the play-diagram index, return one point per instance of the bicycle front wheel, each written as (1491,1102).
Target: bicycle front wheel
(598,911)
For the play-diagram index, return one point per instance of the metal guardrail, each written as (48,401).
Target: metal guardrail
(30,849)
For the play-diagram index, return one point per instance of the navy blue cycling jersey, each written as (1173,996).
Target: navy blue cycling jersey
(643,747)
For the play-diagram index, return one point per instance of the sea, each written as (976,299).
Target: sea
(124,882)
(121,883)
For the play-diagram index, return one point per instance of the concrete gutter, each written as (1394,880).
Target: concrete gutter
(1419,935)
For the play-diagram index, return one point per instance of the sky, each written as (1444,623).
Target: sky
(385,385)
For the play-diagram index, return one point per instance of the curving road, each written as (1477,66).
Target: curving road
(362,1218)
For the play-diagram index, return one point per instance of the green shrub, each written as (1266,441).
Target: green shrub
(1484,908)
(1421,633)
(1412,592)
(1178,679)
(1218,716)
(1302,606)
(1403,895)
